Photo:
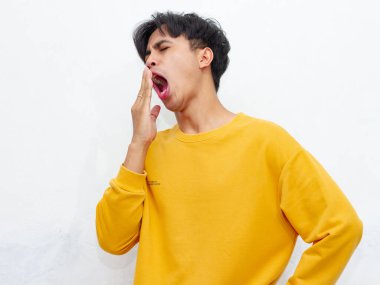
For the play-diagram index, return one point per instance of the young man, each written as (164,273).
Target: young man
(220,198)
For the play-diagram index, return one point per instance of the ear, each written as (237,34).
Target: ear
(205,57)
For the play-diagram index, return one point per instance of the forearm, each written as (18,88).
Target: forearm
(119,212)
(324,261)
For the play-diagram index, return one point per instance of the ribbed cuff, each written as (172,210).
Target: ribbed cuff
(130,180)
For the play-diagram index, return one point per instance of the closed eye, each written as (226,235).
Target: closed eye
(156,47)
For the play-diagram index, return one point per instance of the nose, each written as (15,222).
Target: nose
(151,61)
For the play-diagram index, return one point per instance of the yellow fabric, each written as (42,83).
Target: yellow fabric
(225,207)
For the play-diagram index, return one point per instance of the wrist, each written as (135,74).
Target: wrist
(139,147)
(135,158)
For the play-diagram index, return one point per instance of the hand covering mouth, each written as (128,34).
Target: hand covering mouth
(160,85)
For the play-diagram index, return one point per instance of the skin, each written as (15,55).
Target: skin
(192,94)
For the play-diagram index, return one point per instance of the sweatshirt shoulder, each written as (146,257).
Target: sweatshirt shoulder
(269,133)
(266,127)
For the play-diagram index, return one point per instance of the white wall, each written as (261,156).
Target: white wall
(69,74)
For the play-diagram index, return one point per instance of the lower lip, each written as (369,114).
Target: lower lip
(163,95)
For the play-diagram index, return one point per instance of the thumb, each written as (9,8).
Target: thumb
(155,112)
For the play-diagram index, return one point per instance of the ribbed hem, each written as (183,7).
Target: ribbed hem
(130,180)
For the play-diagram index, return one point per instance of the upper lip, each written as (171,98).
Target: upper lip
(155,73)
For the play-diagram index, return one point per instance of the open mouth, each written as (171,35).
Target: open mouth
(160,85)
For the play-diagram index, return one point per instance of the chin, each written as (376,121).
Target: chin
(172,105)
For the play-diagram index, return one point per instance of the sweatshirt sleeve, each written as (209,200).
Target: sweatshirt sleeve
(119,212)
(321,214)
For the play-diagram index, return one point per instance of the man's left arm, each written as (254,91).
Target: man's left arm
(321,214)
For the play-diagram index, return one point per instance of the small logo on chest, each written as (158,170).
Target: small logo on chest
(153,183)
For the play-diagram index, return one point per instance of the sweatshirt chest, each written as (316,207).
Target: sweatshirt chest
(209,174)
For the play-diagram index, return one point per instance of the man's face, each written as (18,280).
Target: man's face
(175,68)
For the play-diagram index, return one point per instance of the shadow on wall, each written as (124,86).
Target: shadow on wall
(79,259)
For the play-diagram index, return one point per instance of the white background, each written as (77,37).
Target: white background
(69,74)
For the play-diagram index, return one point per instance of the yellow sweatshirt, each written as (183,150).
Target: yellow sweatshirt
(225,207)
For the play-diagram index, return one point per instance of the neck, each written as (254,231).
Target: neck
(204,113)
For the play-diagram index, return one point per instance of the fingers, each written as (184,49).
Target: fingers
(155,112)
(146,86)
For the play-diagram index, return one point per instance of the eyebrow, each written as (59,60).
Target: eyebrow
(157,46)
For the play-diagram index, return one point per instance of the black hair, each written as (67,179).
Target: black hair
(201,33)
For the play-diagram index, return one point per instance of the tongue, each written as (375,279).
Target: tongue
(162,90)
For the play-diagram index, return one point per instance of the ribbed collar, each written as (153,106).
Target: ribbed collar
(206,135)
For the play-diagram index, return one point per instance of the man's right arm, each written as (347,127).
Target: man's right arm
(119,212)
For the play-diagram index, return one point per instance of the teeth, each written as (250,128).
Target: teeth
(158,81)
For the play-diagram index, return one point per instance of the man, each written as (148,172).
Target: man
(220,198)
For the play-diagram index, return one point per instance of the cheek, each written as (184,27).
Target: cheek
(189,71)
(182,76)
(183,72)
